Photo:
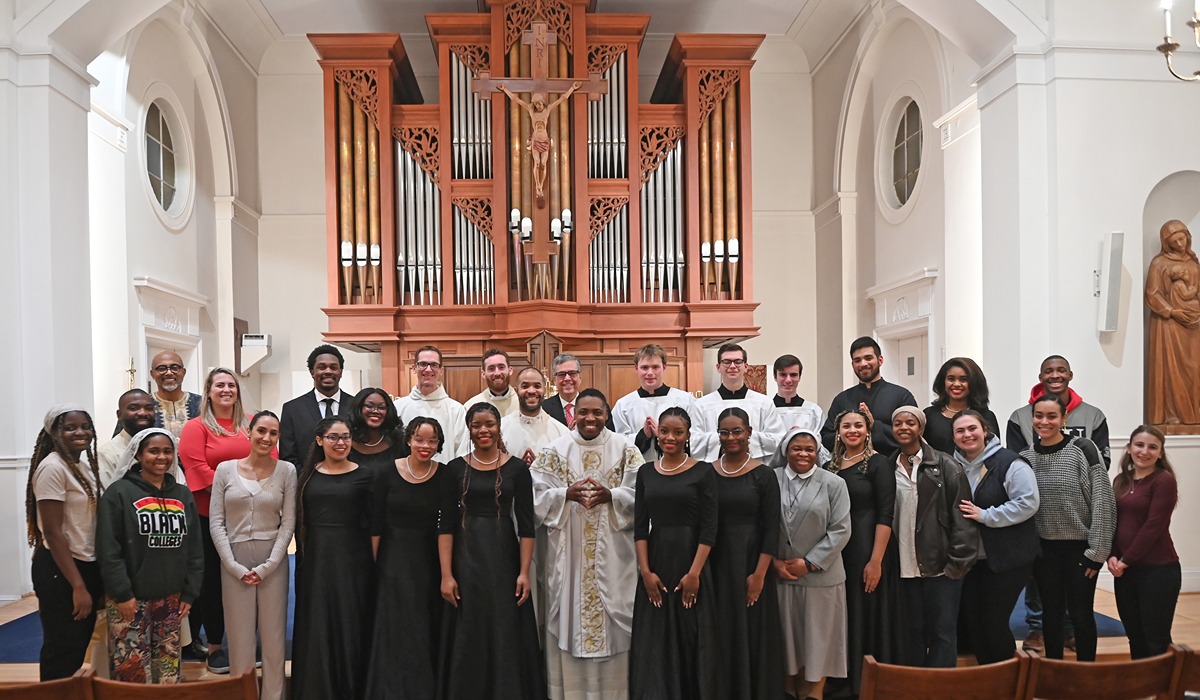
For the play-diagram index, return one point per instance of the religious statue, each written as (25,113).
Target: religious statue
(539,137)
(1173,357)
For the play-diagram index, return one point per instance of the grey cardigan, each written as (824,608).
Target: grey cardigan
(236,515)
(817,528)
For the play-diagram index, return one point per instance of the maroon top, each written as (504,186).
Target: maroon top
(1144,521)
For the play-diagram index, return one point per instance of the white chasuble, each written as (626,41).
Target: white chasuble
(449,413)
(591,563)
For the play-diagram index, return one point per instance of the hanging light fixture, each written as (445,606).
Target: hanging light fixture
(1170,46)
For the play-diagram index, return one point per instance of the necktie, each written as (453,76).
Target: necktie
(328,410)
(569,412)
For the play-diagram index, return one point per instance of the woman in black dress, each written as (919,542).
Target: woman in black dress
(489,635)
(376,430)
(959,385)
(749,640)
(334,570)
(871,559)
(410,496)
(674,648)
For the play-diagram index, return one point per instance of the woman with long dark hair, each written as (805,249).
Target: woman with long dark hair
(410,496)
(60,515)
(490,637)
(335,575)
(252,519)
(1076,520)
(376,430)
(1144,564)
(749,635)
(958,386)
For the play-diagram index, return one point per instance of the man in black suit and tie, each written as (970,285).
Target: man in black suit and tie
(298,422)
(565,373)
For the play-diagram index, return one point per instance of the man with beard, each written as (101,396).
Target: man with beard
(497,372)
(429,399)
(299,418)
(636,413)
(527,431)
(172,405)
(135,413)
(874,394)
(583,490)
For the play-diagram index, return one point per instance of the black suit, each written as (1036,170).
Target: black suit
(298,424)
(554,407)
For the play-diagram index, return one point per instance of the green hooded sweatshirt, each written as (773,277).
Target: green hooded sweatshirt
(148,540)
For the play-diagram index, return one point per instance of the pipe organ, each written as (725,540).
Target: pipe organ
(536,196)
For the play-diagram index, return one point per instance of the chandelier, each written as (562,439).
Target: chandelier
(1170,46)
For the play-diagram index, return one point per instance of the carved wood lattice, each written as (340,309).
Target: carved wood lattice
(421,143)
(363,89)
(478,211)
(715,83)
(476,57)
(602,211)
(657,142)
(602,56)
(520,14)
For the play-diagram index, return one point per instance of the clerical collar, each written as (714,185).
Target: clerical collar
(795,402)
(792,474)
(729,395)
(659,392)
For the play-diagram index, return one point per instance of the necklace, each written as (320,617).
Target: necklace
(948,412)
(413,474)
(726,472)
(676,468)
(475,456)
(372,444)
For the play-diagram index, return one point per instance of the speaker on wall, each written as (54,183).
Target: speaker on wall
(1109,287)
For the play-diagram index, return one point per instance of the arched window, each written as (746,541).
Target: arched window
(906,152)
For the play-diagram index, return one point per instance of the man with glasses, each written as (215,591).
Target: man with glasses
(874,394)
(299,418)
(565,373)
(429,399)
(172,405)
(497,373)
(766,428)
(636,413)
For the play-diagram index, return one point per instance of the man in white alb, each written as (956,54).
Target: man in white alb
(636,414)
(428,398)
(583,487)
(530,429)
(764,419)
(794,410)
(497,373)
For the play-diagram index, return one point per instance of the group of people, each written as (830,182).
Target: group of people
(524,546)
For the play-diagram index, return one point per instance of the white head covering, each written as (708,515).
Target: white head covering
(779,459)
(58,410)
(129,456)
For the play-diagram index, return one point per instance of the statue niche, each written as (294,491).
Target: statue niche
(1173,353)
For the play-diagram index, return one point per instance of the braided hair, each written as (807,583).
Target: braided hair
(839,447)
(677,412)
(739,413)
(481,407)
(49,443)
(316,454)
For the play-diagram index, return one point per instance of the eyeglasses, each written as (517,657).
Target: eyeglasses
(573,374)
(731,363)
(375,407)
(418,442)
(429,365)
(336,438)
(736,432)
(163,369)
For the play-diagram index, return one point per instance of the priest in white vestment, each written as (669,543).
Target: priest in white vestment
(497,374)
(764,419)
(429,399)
(583,494)
(636,414)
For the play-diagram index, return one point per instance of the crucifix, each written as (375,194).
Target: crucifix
(132,371)
(539,86)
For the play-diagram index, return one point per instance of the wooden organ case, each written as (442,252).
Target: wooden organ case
(538,207)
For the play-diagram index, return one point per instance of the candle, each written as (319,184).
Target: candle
(1166,8)
(515,217)
(556,230)
(526,229)
(566,213)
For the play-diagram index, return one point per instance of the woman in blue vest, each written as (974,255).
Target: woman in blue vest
(1003,502)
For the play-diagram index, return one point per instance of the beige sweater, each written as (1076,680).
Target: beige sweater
(237,515)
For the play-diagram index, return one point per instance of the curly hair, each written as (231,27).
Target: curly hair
(411,429)
(358,424)
(52,443)
(839,447)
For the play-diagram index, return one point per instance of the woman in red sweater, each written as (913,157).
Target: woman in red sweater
(1144,565)
(218,434)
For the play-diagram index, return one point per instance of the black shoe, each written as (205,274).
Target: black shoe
(218,662)
(196,651)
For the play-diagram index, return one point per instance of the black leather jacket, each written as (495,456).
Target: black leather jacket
(946,542)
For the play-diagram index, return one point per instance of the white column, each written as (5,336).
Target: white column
(44,272)
(962,245)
